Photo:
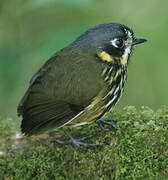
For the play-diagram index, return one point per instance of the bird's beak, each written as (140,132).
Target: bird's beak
(138,41)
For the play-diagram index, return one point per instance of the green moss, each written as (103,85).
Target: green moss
(138,150)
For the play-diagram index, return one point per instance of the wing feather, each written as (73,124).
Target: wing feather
(58,92)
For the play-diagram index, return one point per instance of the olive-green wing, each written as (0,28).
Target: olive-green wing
(60,90)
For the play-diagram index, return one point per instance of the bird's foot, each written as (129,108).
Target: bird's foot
(78,143)
(107,124)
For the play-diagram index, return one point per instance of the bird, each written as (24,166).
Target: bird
(80,82)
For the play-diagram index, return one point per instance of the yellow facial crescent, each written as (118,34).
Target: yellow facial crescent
(105,57)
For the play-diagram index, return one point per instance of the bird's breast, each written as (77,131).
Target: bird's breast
(114,77)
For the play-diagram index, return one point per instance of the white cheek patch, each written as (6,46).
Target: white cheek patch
(124,58)
(128,45)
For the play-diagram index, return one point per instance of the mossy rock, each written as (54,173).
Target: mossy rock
(137,150)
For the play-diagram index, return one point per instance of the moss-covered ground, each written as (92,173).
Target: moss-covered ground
(138,150)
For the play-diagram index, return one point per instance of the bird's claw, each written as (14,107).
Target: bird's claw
(78,143)
(104,123)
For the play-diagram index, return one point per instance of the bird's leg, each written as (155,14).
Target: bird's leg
(79,143)
(107,124)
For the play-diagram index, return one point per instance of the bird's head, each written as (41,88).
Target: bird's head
(112,42)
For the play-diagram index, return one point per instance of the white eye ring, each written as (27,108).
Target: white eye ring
(118,43)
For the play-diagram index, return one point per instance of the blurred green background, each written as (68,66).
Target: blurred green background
(31,31)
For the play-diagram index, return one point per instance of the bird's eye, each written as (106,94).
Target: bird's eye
(118,43)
